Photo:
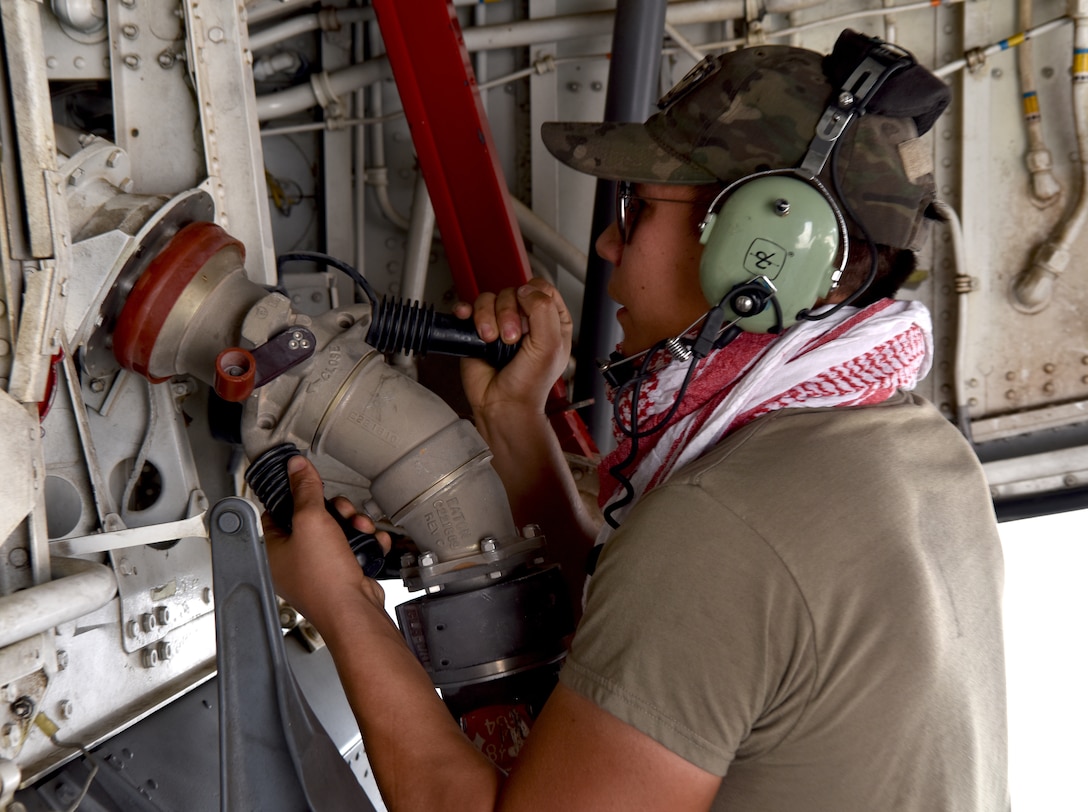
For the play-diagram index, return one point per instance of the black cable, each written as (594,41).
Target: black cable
(330,261)
(633,433)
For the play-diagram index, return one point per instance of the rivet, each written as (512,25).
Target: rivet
(229,521)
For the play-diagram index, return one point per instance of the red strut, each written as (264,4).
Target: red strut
(457,156)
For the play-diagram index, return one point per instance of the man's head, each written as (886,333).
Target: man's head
(758,110)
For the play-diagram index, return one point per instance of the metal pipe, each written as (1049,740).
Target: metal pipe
(514,35)
(413,279)
(1033,288)
(329,19)
(420,235)
(304,96)
(377,174)
(270,9)
(1045,189)
(550,241)
(78,588)
(959,259)
(632,88)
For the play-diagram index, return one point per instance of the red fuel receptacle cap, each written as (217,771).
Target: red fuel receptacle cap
(235,371)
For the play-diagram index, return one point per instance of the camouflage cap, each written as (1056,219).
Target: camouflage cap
(757,109)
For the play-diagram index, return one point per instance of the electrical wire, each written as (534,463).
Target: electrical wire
(633,433)
(330,261)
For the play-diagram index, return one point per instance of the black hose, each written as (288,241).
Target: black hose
(411,327)
(267,475)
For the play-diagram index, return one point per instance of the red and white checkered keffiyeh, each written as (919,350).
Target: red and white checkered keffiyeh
(852,358)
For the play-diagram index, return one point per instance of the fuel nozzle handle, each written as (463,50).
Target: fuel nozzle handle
(267,475)
(411,327)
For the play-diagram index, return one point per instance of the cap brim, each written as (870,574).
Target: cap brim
(618,151)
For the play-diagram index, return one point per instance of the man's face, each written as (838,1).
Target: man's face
(656,275)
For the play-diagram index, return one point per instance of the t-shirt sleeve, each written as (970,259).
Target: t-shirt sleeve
(694,631)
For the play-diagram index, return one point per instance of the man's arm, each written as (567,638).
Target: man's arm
(509,411)
(577,756)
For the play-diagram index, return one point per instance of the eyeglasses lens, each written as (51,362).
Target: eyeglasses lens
(626,210)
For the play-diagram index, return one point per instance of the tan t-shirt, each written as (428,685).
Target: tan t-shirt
(813,611)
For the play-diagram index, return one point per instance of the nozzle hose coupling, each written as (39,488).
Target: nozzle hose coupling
(411,327)
(268,478)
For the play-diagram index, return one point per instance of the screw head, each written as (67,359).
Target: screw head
(781,207)
(23,707)
(744,304)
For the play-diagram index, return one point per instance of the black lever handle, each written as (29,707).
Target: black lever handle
(268,478)
(411,327)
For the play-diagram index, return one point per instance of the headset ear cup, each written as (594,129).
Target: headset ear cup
(778,229)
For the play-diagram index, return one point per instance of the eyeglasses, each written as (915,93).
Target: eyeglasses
(629,207)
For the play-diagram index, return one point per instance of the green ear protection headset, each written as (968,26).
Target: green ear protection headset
(772,238)
(771,243)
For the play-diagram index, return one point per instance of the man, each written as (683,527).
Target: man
(795,602)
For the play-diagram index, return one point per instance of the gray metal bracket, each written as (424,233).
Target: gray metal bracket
(274,753)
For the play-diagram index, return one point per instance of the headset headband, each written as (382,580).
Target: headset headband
(878,63)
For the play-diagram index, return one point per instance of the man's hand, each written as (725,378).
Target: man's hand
(536,314)
(314,568)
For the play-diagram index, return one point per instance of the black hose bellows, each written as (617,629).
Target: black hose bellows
(410,327)
(267,475)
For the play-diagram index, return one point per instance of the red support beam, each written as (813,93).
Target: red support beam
(453,141)
(457,156)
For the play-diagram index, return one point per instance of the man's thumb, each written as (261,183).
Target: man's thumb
(306,486)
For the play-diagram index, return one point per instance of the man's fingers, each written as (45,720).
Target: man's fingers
(508,314)
(306,487)
(344,507)
(483,310)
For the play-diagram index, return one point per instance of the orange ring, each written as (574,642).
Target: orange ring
(158,290)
